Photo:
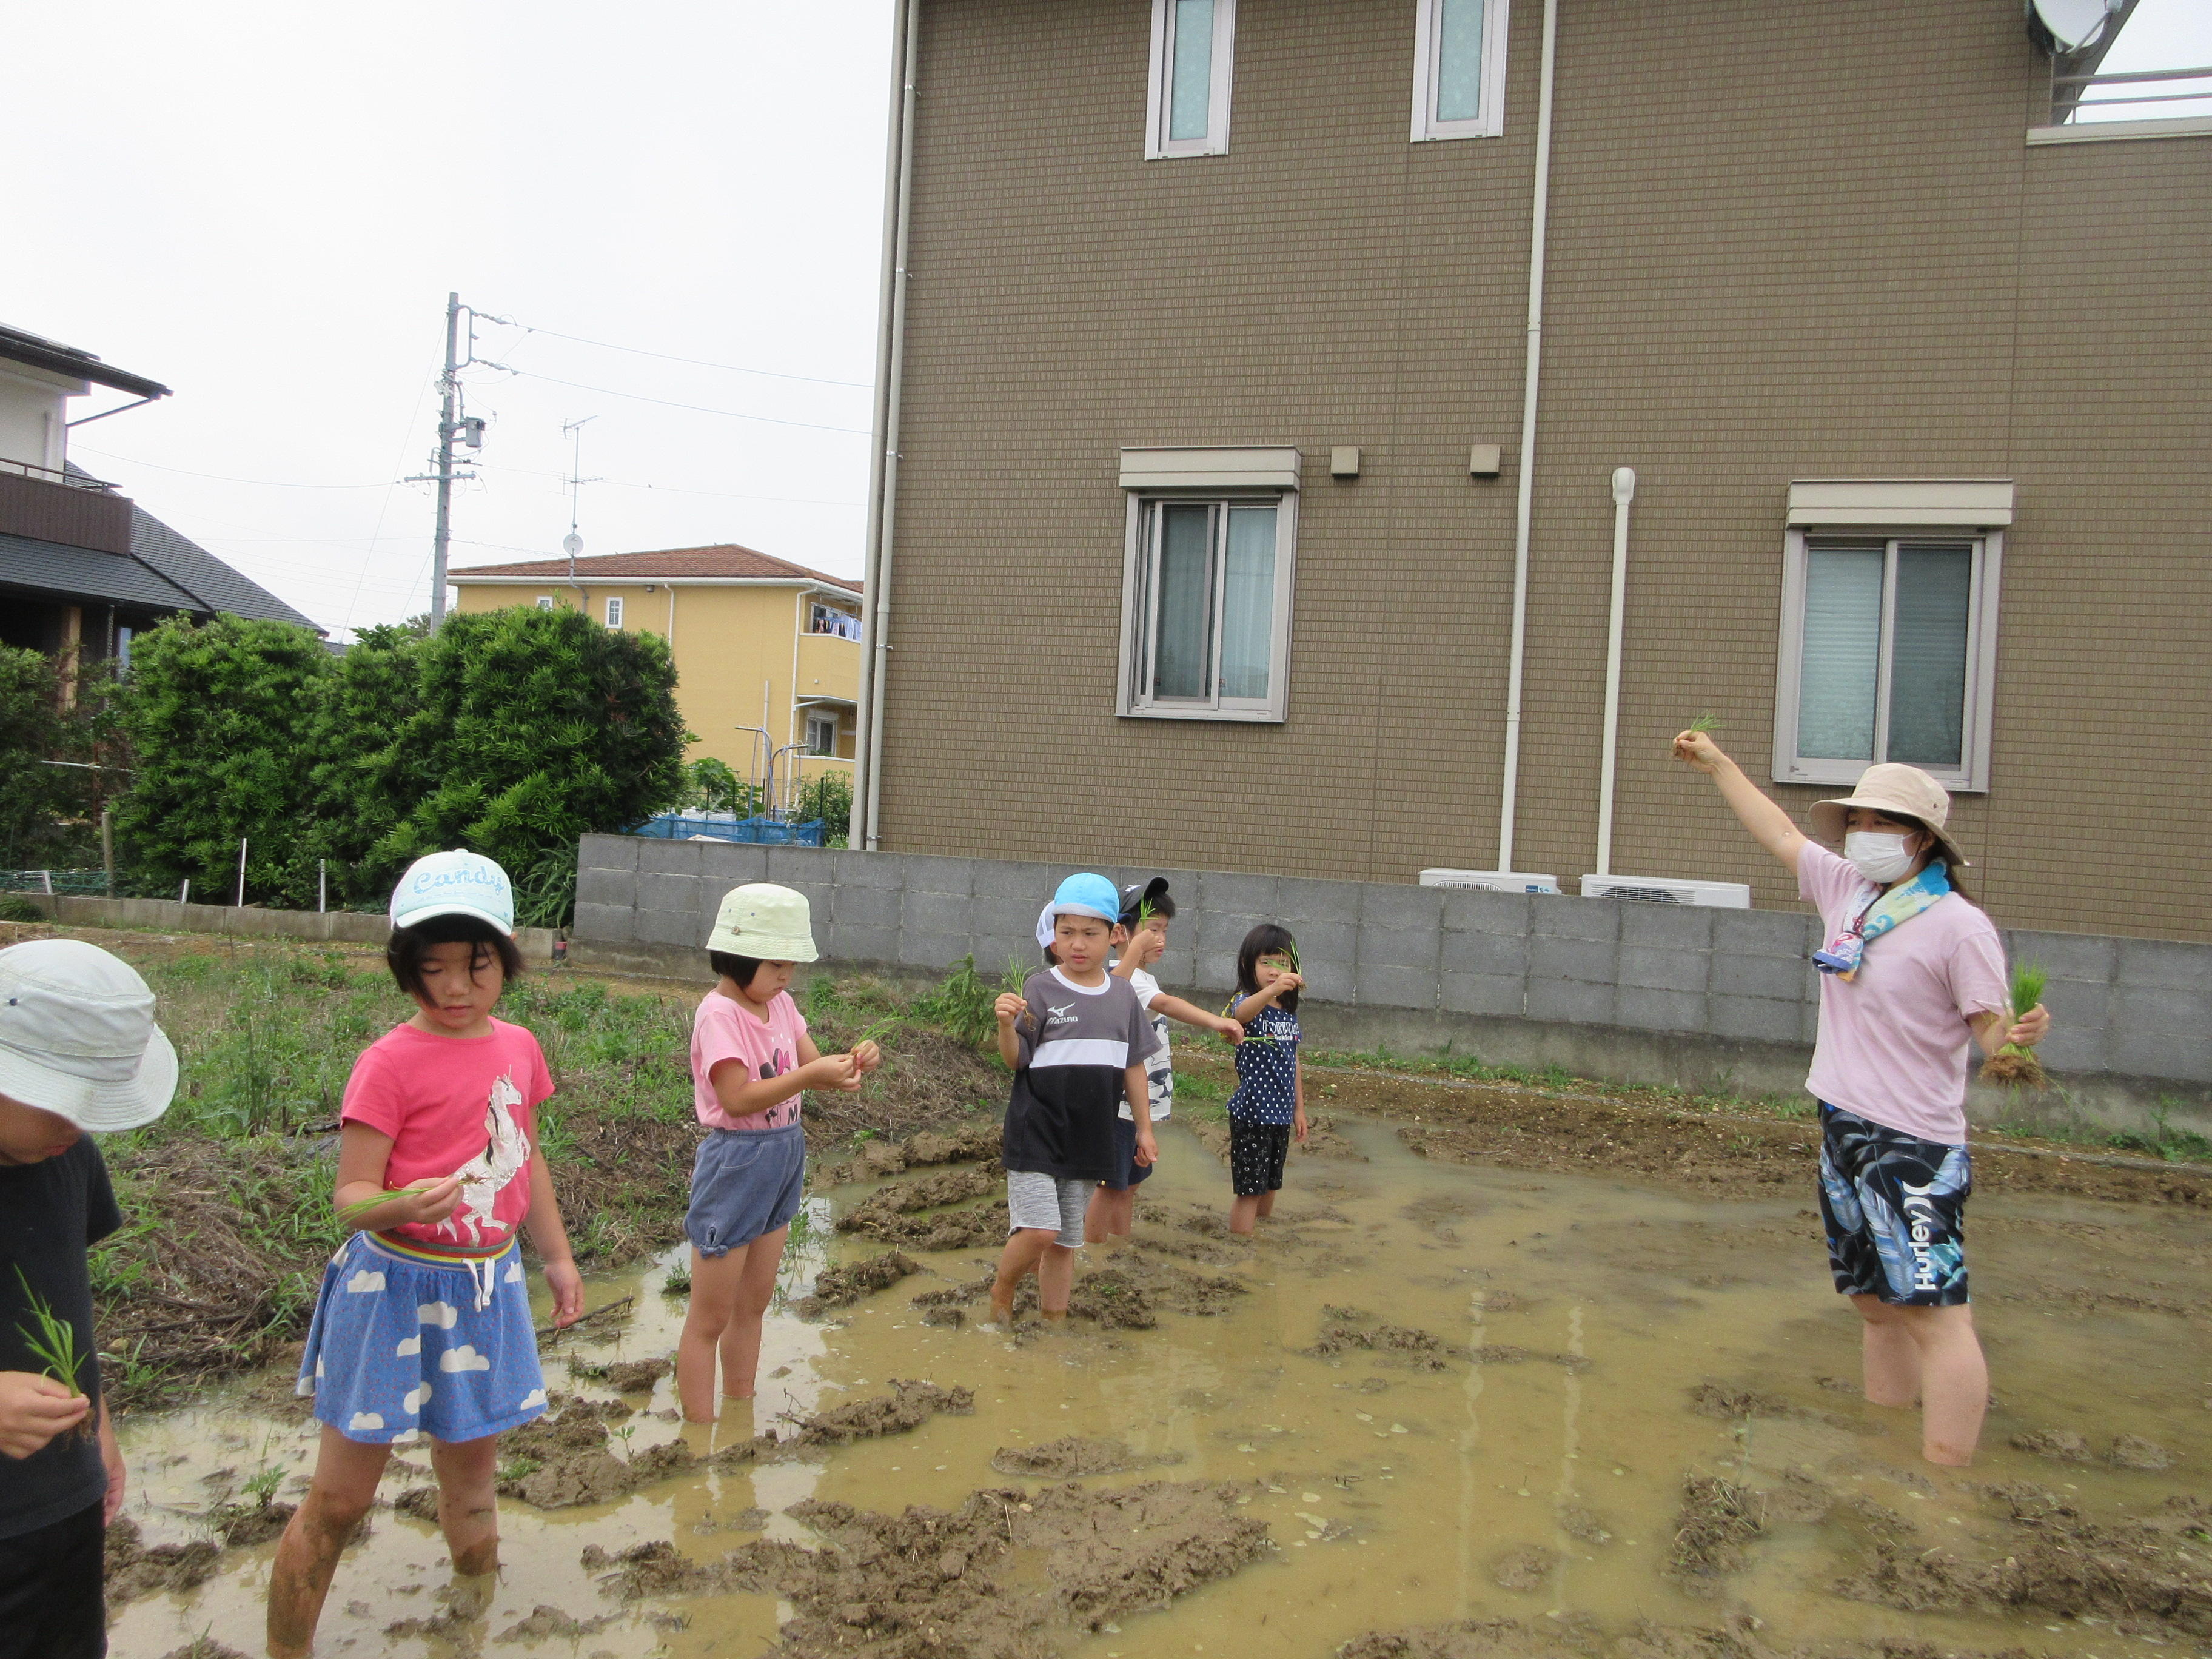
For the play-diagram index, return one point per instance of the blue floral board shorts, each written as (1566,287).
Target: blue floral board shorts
(401,1348)
(744,1182)
(1895,1209)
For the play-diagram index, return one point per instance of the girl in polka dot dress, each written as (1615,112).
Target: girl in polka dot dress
(1268,1109)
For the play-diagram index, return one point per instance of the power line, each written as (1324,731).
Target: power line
(696,409)
(697,362)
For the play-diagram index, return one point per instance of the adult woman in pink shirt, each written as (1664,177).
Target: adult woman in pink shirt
(1912,976)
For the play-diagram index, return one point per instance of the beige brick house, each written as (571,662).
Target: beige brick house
(1218,459)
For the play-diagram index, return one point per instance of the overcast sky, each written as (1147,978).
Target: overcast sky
(264,206)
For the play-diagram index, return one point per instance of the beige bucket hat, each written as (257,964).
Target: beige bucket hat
(77,1037)
(766,923)
(1897,792)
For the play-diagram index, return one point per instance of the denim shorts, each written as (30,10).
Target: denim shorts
(1128,1172)
(744,1182)
(1894,1207)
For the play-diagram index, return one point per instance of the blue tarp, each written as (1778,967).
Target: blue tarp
(725,826)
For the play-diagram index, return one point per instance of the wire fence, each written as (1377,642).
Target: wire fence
(68,883)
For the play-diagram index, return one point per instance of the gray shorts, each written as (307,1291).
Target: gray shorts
(744,1182)
(1035,1201)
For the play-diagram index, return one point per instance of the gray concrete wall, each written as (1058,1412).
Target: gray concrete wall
(1711,999)
(250,920)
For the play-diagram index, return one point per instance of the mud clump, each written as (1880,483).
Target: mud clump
(2062,1445)
(929,1192)
(133,1569)
(204,1646)
(2132,1451)
(841,1287)
(626,1376)
(1346,1330)
(954,1146)
(946,1230)
(1071,1457)
(1130,1295)
(1113,1299)
(1577,1522)
(418,1504)
(907,1405)
(562,1462)
(242,1525)
(546,1621)
(935,1581)
(2141,1571)
(1524,1569)
(1717,1520)
(1727,1401)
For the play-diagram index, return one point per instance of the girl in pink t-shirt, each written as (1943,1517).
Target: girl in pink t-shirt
(423,1324)
(750,1059)
(1911,976)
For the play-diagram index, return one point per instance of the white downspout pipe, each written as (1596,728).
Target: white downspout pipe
(882,491)
(1524,497)
(1624,491)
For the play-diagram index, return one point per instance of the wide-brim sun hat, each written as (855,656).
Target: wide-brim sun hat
(1896,790)
(454,883)
(77,1037)
(766,923)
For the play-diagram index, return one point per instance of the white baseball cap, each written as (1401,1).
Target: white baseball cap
(77,1037)
(766,923)
(454,883)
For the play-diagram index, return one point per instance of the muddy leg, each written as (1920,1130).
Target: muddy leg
(1955,1382)
(741,1338)
(346,1473)
(468,1509)
(1265,1204)
(1889,1357)
(1241,1211)
(1056,1281)
(1110,1214)
(1025,1246)
(714,1284)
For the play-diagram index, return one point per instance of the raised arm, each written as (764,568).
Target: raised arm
(1176,1009)
(1770,826)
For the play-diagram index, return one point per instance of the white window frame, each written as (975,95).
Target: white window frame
(1137,624)
(1158,147)
(544,601)
(815,718)
(1490,120)
(614,612)
(1972,776)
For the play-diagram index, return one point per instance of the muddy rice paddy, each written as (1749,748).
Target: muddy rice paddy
(1443,1406)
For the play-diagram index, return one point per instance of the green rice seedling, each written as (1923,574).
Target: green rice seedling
(349,1213)
(52,1341)
(2016,1065)
(1707,721)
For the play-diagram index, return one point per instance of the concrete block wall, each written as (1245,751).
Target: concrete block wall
(1640,992)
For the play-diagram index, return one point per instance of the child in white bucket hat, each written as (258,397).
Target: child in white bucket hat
(751,1060)
(79,1051)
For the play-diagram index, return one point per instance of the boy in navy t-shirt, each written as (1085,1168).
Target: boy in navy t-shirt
(1077,1041)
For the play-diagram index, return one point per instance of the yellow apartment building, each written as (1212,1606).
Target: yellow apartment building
(767,652)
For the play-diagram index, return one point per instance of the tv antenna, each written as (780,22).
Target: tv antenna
(572,543)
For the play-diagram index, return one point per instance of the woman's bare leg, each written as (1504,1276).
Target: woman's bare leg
(346,1473)
(741,1338)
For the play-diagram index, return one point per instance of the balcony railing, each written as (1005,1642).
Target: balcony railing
(55,475)
(42,505)
(2067,91)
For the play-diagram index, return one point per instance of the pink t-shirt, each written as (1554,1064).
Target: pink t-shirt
(1894,1040)
(725,1029)
(455,1105)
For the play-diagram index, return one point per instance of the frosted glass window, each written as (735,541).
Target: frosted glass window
(1928,652)
(1840,676)
(1190,71)
(1459,59)
(614,613)
(1209,607)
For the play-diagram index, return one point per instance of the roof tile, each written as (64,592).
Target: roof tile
(727,560)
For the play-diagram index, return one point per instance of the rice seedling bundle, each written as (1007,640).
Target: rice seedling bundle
(52,1341)
(2016,1065)
(1707,721)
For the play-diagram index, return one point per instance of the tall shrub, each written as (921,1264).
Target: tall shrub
(533,727)
(220,714)
(361,789)
(36,799)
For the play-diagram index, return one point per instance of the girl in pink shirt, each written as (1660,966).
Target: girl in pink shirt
(423,1325)
(1912,975)
(751,1061)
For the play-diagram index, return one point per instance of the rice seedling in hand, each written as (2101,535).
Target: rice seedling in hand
(2016,1065)
(52,1341)
(349,1213)
(1707,721)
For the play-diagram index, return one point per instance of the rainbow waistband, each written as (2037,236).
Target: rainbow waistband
(440,1256)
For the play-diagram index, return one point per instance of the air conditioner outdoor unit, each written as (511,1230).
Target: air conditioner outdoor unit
(1498,881)
(1668,890)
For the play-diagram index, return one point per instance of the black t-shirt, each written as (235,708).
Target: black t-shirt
(1075,1050)
(50,1212)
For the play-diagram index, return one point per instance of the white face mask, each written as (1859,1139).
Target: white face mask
(1881,858)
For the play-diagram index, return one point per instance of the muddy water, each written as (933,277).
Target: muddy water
(1536,1471)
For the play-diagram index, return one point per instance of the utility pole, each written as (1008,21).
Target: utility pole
(451,424)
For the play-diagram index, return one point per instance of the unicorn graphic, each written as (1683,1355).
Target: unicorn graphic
(483,1177)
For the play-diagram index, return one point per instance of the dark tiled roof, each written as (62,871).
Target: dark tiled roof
(82,572)
(728,560)
(19,346)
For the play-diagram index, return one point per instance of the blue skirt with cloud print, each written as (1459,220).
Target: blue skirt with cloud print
(401,1347)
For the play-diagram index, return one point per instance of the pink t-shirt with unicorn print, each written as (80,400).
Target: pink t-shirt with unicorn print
(455,1105)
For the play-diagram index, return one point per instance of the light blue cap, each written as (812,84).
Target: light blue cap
(454,883)
(1081,895)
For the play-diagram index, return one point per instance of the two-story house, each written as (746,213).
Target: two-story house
(767,654)
(83,567)
(1262,379)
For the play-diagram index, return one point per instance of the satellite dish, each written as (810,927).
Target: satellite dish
(2074,24)
(572,544)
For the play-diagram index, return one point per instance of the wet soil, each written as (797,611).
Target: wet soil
(841,1287)
(907,1405)
(1072,1457)
(135,1569)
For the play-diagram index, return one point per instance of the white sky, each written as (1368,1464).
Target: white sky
(2162,35)
(264,206)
